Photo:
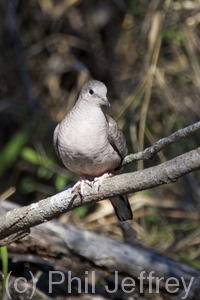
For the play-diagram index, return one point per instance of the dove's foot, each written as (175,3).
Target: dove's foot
(100,179)
(81,183)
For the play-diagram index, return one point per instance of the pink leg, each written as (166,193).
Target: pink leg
(100,179)
(81,183)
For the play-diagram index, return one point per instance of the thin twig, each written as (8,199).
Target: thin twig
(150,152)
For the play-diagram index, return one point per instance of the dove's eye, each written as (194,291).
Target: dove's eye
(91,92)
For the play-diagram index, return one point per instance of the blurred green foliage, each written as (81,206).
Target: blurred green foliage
(13,149)
(4,257)
(173,35)
(187,260)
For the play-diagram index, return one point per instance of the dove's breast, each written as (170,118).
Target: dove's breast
(83,143)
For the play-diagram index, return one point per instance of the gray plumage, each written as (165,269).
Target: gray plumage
(90,143)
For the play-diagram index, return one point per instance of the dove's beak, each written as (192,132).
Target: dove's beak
(107,102)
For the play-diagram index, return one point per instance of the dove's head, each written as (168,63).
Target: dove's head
(94,92)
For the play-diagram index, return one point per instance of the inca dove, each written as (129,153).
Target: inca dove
(90,143)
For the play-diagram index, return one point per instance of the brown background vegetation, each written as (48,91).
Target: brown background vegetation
(147,53)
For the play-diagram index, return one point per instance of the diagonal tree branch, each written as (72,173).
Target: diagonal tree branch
(150,152)
(26,217)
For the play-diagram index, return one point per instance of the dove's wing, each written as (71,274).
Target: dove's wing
(55,139)
(116,138)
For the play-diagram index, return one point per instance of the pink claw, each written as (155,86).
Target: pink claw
(101,178)
(81,183)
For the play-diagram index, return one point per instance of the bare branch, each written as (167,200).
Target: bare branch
(37,213)
(150,152)
(62,243)
(113,255)
(14,237)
